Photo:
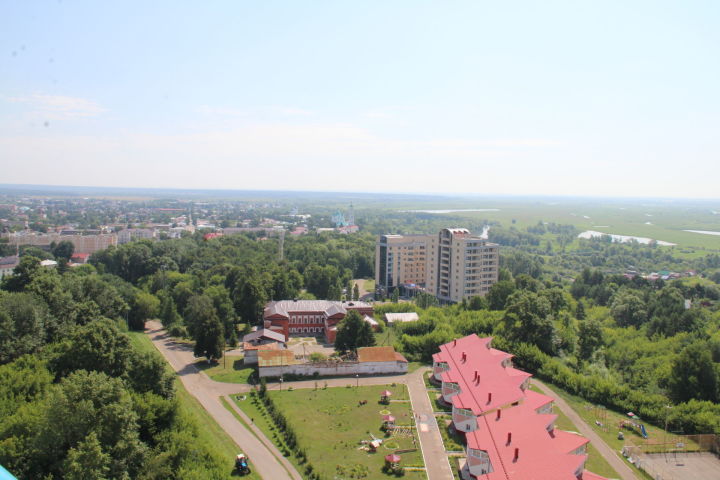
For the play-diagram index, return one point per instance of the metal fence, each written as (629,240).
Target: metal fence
(683,448)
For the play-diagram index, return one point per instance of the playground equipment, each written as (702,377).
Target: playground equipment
(634,425)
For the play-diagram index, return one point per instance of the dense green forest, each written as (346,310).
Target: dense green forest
(624,342)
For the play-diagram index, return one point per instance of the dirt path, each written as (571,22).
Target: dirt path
(608,453)
(208,393)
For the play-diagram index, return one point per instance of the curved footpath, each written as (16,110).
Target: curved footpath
(608,453)
(267,461)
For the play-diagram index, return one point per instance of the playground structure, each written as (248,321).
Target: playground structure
(687,457)
(633,424)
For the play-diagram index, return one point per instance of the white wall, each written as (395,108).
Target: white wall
(339,369)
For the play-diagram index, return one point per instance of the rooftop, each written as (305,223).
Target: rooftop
(275,358)
(401,317)
(264,333)
(329,307)
(378,354)
(521,442)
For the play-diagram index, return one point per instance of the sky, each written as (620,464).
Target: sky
(610,98)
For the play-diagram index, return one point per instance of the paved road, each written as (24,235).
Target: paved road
(438,468)
(608,453)
(208,393)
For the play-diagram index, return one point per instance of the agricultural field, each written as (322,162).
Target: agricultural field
(663,220)
(334,428)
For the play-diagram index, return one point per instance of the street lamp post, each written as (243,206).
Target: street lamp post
(667,414)
(357,380)
(281,382)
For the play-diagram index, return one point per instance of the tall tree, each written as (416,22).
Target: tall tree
(209,338)
(590,338)
(694,374)
(97,346)
(87,460)
(356,292)
(353,332)
(499,293)
(144,307)
(628,309)
(527,319)
(64,250)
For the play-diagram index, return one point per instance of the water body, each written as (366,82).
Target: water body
(453,211)
(704,232)
(623,238)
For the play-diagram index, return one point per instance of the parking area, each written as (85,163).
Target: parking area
(682,466)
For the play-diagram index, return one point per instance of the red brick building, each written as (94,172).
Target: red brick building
(310,317)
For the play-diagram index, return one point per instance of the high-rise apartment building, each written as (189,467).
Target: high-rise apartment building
(401,260)
(452,265)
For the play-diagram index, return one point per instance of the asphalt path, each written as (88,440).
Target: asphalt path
(208,392)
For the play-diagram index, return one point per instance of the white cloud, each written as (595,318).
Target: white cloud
(59,106)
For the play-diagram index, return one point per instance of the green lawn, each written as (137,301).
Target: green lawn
(209,432)
(452,440)
(330,425)
(230,370)
(590,413)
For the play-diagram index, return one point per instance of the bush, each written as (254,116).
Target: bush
(178,331)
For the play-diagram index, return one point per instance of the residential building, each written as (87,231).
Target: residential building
(8,264)
(82,243)
(452,265)
(462,265)
(509,430)
(130,234)
(401,261)
(310,317)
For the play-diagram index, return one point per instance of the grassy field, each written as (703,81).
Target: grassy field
(330,425)
(209,432)
(233,370)
(657,219)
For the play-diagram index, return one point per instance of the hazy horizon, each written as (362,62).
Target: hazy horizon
(470,98)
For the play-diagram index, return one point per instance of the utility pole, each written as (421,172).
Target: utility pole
(281,245)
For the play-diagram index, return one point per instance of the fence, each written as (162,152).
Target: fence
(658,459)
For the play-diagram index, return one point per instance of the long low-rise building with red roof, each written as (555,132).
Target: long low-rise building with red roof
(509,430)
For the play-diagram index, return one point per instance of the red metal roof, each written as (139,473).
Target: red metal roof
(520,442)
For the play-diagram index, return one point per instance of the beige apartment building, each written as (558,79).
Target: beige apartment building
(452,265)
(401,260)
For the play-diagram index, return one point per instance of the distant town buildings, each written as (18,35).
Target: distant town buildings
(82,243)
(452,265)
(8,264)
(509,430)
